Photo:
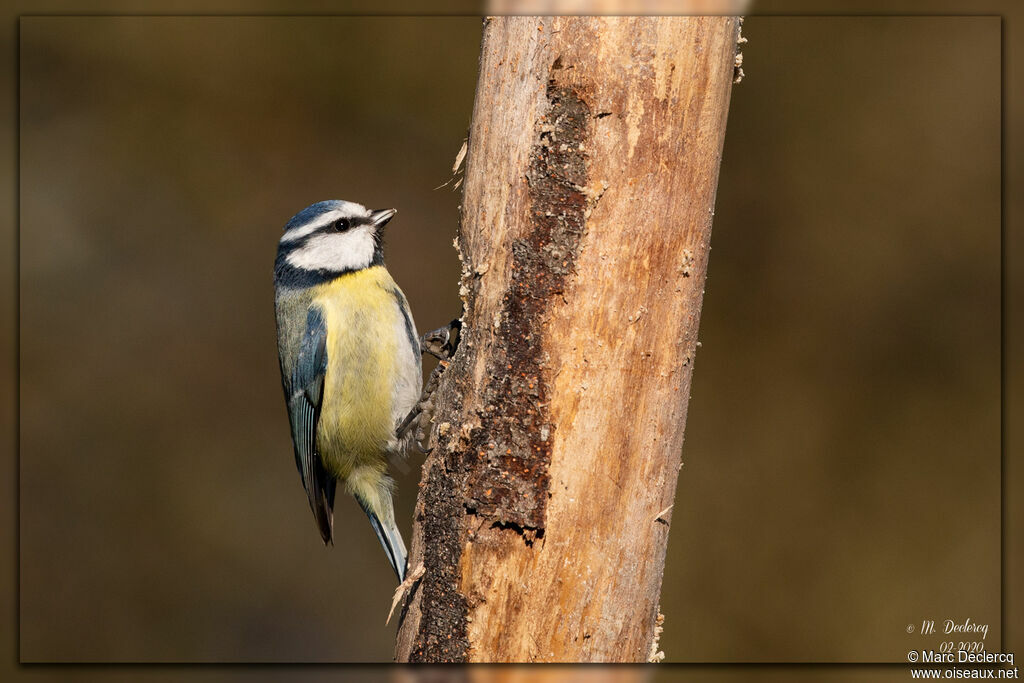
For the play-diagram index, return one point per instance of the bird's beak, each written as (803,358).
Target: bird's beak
(381,217)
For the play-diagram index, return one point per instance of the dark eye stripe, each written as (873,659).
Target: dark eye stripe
(338,225)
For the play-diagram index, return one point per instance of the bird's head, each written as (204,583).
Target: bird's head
(334,236)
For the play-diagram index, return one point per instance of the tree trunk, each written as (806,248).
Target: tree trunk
(592,165)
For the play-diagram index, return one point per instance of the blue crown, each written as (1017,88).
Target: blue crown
(314,210)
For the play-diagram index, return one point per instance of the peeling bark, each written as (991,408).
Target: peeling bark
(558,426)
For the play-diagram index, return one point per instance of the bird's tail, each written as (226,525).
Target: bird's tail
(387,531)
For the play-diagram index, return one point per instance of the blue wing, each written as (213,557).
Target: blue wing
(305,393)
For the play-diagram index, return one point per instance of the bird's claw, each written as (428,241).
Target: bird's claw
(440,343)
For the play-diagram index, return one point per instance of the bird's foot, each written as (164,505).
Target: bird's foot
(442,344)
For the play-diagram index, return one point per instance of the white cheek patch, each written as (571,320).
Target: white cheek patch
(349,250)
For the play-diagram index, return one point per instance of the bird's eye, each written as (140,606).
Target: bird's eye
(341,225)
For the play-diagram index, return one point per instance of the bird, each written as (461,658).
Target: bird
(350,362)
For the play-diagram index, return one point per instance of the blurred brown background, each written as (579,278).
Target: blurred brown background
(841,474)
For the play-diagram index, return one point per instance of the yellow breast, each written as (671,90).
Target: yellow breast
(356,421)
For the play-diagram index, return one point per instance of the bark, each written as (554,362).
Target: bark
(542,518)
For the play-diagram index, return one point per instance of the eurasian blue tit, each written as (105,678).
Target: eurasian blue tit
(350,361)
